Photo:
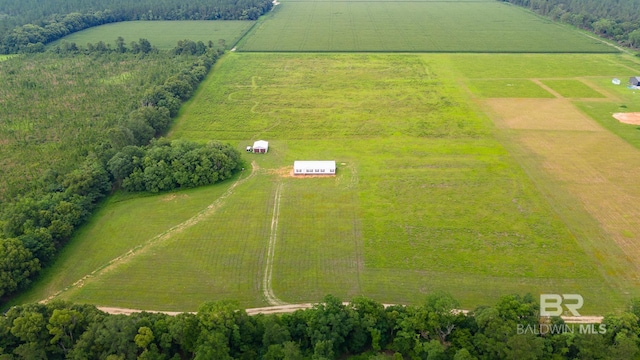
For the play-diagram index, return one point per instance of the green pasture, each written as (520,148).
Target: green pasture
(121,224)
(415,26)
(428,196)
(163,34)
(572,89)
(602,113)
(527,66)
(508,88)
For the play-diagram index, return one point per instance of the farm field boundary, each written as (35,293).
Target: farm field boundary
(289,308)
(586,172)
(163,34)
(397,221)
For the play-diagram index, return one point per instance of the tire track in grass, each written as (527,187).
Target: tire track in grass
(267,290)
(139,249)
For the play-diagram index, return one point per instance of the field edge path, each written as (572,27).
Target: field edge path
(165,235)
(289,308)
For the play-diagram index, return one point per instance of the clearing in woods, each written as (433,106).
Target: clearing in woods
(428,196)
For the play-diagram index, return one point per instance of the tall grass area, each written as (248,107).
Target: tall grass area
(426,197)
(55,108)
(163,34)
(414,26)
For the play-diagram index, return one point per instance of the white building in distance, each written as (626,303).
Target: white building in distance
(314,168)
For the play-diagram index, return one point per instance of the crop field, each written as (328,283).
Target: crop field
(415,26)
(163,34)
(439,187)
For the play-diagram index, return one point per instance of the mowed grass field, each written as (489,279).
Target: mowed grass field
(162,34)
(439,187)
(581,158)
(414,26)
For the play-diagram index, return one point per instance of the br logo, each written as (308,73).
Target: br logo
(551,304)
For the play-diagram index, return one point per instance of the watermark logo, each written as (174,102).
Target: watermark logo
(555,305)
(551,304)
(552,329)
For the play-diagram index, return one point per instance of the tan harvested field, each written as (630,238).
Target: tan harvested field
(566,151)
(540,114)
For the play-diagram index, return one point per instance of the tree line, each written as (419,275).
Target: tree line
(618,20)
(25,26)
(65,101)
(167,165)
(362,329)
(36,225)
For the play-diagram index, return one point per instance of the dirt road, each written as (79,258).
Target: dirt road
(282,309)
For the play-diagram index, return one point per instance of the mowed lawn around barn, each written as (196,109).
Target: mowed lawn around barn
(429,194)
(163,34)
(413,26)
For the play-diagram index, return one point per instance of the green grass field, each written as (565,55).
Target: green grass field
(572,89)
(433,191)
(508,88)
(163,34)
(473,173)
(416,26)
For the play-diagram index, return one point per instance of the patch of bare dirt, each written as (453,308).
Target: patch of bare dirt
(632,118)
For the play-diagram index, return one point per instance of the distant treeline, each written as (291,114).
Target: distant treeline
(618,20)
(362,330)
(27,25)
(36,225)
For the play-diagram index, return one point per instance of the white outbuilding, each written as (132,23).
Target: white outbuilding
(314,168)
(260,146)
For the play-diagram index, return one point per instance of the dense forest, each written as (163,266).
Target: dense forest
(37,221)
(618,20)
(362,329)
(25,26)
(76,103)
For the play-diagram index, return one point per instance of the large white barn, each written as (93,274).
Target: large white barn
(260,146)
(314,168)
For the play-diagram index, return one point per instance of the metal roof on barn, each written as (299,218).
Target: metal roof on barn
(261,144)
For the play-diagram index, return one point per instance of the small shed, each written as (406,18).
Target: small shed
(324,167)
(260,146)
(634,81)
